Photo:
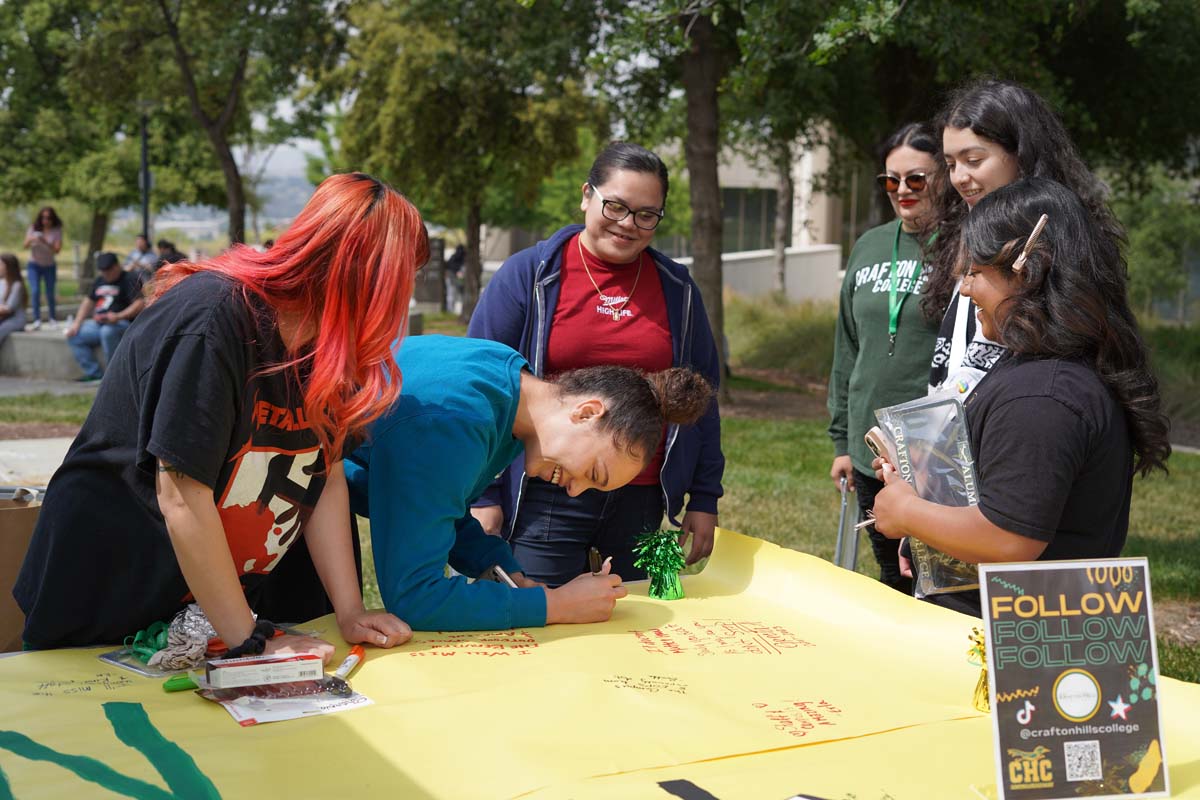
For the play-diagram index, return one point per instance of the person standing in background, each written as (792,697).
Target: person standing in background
(454,267)
(167,254)
(44,240)
(883,341)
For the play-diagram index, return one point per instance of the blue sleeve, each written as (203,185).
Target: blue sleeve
(419,477)
(356,480)
(474,551)
(501,316)
(706,488)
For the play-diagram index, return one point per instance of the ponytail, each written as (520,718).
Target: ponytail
(640,405)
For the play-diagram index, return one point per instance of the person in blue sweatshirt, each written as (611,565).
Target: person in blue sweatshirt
(467,409)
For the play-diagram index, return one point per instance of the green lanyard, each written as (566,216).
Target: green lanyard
(894,303)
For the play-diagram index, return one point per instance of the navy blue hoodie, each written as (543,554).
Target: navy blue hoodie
(517,309)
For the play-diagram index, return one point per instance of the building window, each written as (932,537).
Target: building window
(748,223)
(749,220)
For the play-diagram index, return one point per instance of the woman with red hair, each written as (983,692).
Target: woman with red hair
(210,466)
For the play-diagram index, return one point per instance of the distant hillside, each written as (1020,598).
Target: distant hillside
(285,197)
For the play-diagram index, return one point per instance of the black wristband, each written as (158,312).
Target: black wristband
(256,642)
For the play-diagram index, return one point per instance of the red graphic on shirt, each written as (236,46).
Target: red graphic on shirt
(286,419)
(263,508)
(106,295)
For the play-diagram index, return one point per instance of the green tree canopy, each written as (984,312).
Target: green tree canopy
(63,136)
(455,101)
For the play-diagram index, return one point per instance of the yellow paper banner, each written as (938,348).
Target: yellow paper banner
(778,675)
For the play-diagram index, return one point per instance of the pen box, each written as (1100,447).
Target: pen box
(259,670)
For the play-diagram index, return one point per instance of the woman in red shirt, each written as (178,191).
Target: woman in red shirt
(594,294)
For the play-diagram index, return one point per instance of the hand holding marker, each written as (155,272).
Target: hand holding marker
(594,562)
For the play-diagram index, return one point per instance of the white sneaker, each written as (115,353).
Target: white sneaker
(52,325)
(36,325)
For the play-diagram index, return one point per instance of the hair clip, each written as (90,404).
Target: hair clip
(1019,264)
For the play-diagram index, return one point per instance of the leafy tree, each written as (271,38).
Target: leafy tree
(886,62)
(224,60)
(63,137)
(779,97)
(1163,225)
(332,159)
(459,100)
(655,49)
(866,66)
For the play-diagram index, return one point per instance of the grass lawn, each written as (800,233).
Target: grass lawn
(45,407)
(444,323)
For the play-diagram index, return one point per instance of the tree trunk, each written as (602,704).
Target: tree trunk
(473,269)
(785,189)
(235,192)
(87,273)
(701,74)
(215,127)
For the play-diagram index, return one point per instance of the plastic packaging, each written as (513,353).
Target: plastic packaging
(928,446)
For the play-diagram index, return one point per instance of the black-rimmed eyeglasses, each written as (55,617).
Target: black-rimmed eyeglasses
(891,183)
(646,219)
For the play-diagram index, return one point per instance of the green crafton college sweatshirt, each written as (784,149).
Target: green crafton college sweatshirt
(864,376)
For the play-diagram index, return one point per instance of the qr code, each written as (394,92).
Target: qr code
(1083,760)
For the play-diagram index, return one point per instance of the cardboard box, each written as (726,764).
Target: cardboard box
(16,529)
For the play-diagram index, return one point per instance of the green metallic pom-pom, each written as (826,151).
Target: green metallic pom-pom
(659,553)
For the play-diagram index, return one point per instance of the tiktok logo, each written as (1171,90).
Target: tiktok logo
(1026,713)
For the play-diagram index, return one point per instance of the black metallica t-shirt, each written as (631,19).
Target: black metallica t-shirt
(186,387)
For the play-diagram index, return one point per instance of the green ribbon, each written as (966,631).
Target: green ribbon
(894,304)
(146,643)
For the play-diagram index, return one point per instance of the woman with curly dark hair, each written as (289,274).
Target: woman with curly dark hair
(469,408)
(1067,415)
(994,132)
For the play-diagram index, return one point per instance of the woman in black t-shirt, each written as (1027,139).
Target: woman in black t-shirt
(1061,423)
(210,466)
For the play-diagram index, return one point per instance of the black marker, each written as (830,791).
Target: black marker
(594,560)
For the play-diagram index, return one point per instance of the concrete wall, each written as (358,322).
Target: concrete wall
(813,272)
(45,354)
(41,354)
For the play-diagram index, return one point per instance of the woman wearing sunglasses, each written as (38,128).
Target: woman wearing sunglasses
(994,132)
(1068,414)
(591,295)
(883,340)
